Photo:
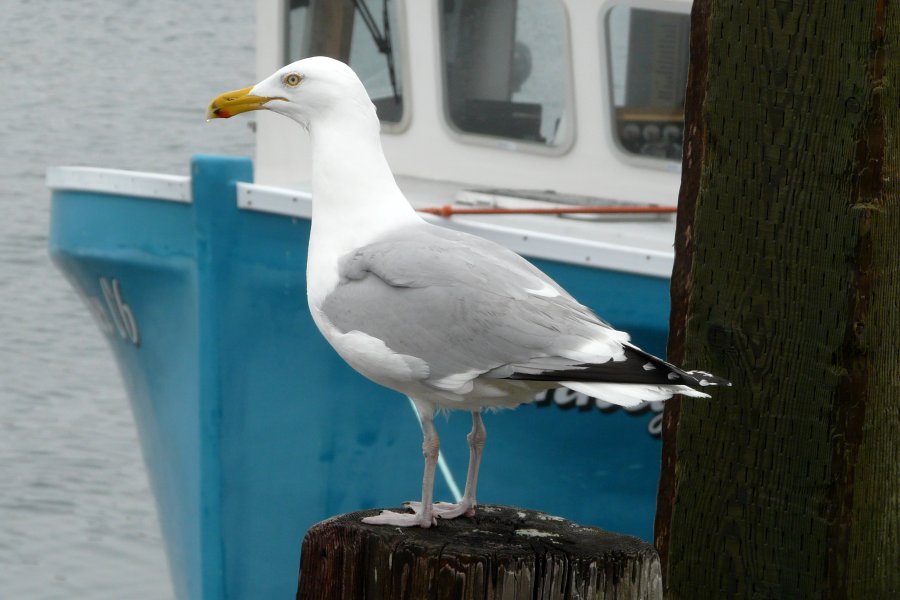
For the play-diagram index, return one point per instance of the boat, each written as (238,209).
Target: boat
(251,427)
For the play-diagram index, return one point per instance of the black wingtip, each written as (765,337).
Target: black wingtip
(704,379)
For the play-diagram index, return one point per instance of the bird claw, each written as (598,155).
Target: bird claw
(389,517)
(445,510)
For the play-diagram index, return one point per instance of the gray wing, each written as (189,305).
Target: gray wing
(469,307)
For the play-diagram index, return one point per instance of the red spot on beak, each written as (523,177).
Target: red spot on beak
(219,112)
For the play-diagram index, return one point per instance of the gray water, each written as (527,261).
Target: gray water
(119,84)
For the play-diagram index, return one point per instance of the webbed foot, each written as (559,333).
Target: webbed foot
(446,510)
(415,519)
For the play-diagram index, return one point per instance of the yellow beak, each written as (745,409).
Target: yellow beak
(233,103)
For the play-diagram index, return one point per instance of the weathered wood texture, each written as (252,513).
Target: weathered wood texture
(694,142)
(787,485)
(503,553)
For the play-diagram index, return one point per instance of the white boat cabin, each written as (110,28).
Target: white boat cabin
(505,103)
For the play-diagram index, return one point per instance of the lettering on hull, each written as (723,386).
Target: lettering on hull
(567,399)
(113,315)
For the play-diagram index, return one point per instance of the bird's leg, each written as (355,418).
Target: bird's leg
(423,515)
(466,506)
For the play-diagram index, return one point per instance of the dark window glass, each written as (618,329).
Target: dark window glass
(375,62)
(505,65)
(648,52)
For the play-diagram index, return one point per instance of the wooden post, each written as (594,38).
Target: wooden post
(503,553)
(786,282)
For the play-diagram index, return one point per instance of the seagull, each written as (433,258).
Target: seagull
(451,320)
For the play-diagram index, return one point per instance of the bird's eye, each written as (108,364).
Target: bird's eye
(291,79)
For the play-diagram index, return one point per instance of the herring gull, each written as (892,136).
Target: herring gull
(450,320)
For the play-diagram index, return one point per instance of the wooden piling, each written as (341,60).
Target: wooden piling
(502,553)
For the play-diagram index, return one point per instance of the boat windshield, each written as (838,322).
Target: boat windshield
(506,69)
(369,44)
(648,60)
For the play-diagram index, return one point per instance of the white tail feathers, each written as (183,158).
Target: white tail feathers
(631,394)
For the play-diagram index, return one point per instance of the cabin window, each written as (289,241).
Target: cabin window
(648,65)
(364,33)
(505,73)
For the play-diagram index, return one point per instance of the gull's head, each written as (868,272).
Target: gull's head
(304,91)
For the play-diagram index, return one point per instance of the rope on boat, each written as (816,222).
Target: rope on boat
(448,210)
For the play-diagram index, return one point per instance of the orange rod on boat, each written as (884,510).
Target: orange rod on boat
(448,210)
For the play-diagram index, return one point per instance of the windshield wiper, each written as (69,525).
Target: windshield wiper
(382,41)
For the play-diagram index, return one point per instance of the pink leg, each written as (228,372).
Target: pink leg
(466,506)
(430,448)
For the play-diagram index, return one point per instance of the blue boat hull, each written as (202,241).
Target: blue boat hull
(253,428)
